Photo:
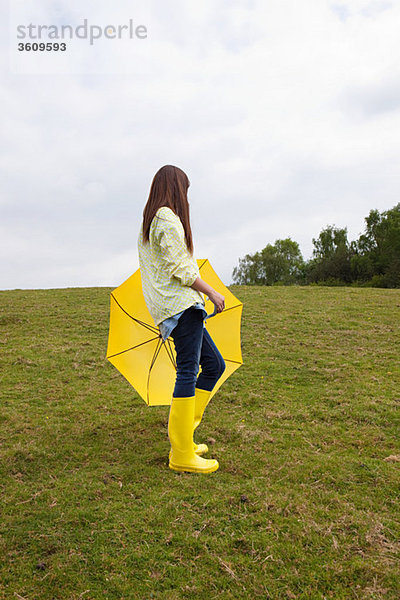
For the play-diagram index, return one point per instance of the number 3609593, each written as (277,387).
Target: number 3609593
(42,47)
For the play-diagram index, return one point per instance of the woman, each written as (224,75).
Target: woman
(172,290)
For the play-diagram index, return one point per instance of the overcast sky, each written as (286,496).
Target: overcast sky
(284,115)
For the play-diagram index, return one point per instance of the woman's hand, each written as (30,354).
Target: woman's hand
(217,299)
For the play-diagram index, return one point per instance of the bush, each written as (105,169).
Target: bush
(377,281)
(332,282)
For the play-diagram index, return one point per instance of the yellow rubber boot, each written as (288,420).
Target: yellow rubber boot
(198,448)
(202,398)
(180,432)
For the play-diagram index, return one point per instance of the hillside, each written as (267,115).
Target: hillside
(305,504)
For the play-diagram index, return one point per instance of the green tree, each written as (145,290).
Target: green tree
(281,262)
(331,256)
(377,251)
(247,272)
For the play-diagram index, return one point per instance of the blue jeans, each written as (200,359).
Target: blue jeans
(194,346)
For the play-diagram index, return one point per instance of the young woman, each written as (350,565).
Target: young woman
(172,290)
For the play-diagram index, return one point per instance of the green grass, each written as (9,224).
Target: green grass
(305,504)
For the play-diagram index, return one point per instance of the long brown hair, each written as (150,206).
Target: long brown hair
(169,188)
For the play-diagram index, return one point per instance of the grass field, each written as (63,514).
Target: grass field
(305,504)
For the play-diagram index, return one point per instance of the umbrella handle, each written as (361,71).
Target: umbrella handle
(211,314)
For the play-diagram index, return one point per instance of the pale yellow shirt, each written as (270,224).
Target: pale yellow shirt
(167,267)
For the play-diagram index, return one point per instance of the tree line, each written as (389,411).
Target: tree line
(372,260)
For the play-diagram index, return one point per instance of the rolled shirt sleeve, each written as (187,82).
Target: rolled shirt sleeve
(167,269)
(175,256)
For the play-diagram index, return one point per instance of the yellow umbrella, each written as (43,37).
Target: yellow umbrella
(137,350)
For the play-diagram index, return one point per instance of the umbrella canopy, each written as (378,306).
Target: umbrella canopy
(137,350)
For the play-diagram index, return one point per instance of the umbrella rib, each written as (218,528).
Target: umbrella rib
(169,352)
(203,263)
(134,347)
(233,361)
(153,329)
(156,353)
(231,307)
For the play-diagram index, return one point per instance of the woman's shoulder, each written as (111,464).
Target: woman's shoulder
(164,212)
(165,220)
